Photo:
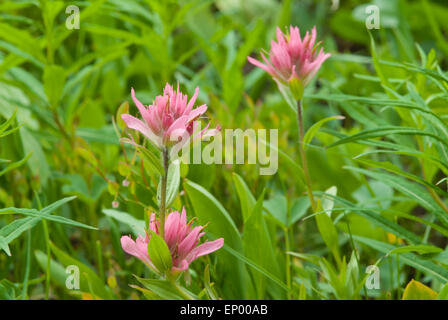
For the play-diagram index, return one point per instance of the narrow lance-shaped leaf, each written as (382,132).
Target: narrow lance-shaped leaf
(328,232)
(426,266)
(309,135)
(378,220)
(159,253)
(385,131)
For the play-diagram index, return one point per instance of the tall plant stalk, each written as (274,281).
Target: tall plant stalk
(303,155)
(166,161)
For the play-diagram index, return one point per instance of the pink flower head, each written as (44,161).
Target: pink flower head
(292,57)
(182,240)
(169,119)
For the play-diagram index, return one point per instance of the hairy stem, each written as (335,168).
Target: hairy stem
(166,161)
(303,156)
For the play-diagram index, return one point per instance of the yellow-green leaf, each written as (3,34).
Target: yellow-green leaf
(418,291)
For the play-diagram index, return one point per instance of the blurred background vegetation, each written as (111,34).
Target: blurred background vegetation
(67,87)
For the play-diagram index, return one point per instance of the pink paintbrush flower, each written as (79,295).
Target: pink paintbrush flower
(293,58)
(169,119)
(182,240)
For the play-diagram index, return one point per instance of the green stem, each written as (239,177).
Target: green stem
(398,277)
(398,267)
(288,263)
(303,155)
(166,161)
(48,249)
(181,291)
(48,266)
(27,266)
(62,128)
(100,259)
(356,255)
(391,276)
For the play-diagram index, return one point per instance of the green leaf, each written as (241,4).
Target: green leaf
(405,151)
(122,109)
(254,265)
(50,10)
(394,169)
(45,213)
(22,40)
(55,205)
(443,294)
(105,135)
(8,290)
(211,212)
(208,286)
(424,110)
(54,81)
(418,291)
(57,271)
(416,192)
(288,96)
(297,88)
(87,155)
(89,281)
(159,253)
(37,162)
(162,288)
(337,281)
(377,65)
(137,226)
(29,83)
(5,125)
(328,231)
(258,247)
(150,295)
(14,229)
(386,131)
(436,271)
(15,165)
(277,207)
(316,260)
(298,171)
(75,185)
(202,174)
(220,224)
(309,135)
(247,200)
(328,201)
(4,245)
(151,160)
(420,249)
(379,220)
(298,209)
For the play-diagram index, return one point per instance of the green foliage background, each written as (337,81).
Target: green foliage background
(63,91)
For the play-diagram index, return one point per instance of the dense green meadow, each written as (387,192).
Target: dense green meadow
(367,218)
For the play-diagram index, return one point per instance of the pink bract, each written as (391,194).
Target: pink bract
(170,118)
(292,57)
(182,240)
